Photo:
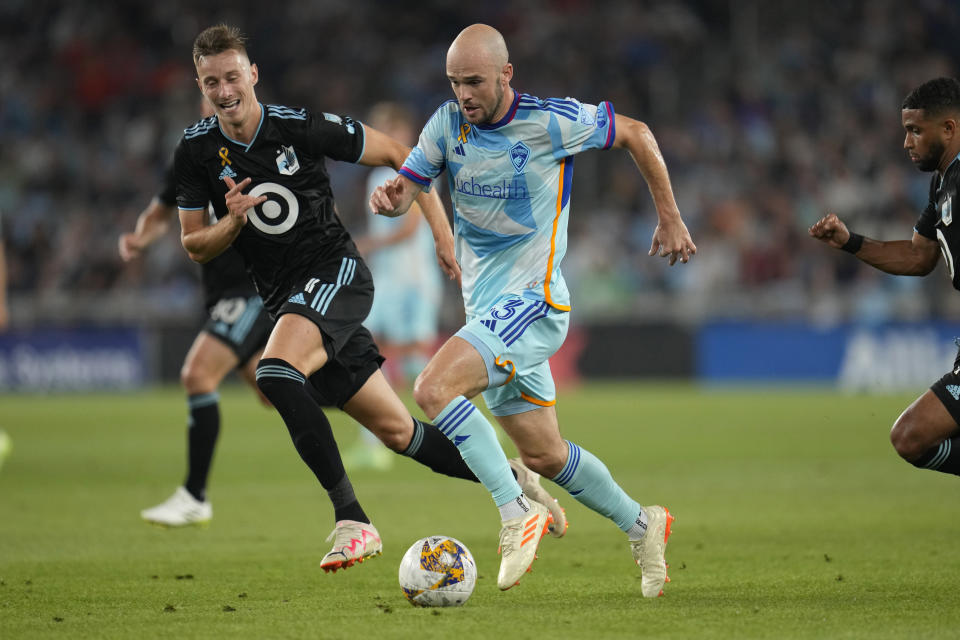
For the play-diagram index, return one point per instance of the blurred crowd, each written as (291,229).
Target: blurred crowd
(769,115)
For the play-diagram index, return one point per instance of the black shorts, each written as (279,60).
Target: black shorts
(240,323)
(337,298)
(947,389)
(342,376)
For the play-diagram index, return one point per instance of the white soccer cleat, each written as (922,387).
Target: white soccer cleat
(179,510)
(649,551)
(529,482)
(353,542)
(519,539)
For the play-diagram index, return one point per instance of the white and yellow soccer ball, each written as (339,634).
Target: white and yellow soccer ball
(437,571)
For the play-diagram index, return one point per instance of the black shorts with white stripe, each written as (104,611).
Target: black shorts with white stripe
(241,323)
(947,389)
(336,297)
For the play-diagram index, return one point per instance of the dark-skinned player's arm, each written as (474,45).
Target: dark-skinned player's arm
(204,241)
(382,150)
(915,257)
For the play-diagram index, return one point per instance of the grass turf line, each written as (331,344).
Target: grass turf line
(795,519)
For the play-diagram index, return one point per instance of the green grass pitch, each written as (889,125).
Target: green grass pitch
(795,519)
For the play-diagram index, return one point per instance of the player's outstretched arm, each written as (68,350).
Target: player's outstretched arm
(915,257)
(394,197)
(204,241)
(152,223)
(671,239)
(380,150)
(436,216)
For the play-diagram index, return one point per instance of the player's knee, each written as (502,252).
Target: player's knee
(195,380)
(429,395)
(905,436)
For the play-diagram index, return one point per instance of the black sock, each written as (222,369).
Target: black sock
(311,433)
(345,503)
(431,448)
(202,431)
(945,457)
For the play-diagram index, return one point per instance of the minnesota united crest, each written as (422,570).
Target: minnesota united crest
(519,154)
(287,161)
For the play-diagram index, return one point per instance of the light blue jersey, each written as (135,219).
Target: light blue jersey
(408,286)
(510,186)
(412,262)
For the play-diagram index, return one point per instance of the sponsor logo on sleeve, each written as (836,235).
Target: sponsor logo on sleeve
(601,117)
(587,116)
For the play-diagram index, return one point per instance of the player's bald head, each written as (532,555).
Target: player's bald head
(478,44)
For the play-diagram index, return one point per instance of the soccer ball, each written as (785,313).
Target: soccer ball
(437,571)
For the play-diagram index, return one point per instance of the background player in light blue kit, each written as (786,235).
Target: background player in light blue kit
(406,305)
(509,161)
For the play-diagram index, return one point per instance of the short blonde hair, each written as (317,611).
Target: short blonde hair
(218,39)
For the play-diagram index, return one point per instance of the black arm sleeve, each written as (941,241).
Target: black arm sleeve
(192,187)
(336,137)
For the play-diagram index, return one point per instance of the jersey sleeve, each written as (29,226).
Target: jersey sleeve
(579,127)
(168,191)
(927,222)
(427,160)
(336,137)
(193,191)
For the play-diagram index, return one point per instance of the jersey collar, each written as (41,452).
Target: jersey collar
(508,117)
(246,147)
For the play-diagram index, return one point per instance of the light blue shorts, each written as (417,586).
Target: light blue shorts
(516,338)
(404,314)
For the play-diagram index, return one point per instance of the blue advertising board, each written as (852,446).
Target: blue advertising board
(72,359)
(857,357)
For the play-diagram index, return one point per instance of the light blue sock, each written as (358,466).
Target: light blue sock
(588,480)
(477,441)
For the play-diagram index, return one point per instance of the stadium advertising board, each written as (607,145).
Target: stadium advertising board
(887,357)
(74,359)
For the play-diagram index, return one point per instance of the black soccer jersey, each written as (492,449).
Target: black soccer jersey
(296,226)
(223,277)
(936,221)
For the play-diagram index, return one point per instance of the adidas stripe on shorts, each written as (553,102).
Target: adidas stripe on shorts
(337,297)
(947,389)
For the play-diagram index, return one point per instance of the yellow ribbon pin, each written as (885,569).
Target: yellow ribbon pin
(464,130)
(224,160)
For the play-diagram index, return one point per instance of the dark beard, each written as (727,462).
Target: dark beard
(496,107)
(931,161)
